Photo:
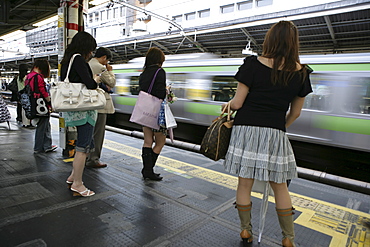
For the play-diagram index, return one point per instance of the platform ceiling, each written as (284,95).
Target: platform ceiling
(20,15)
(338,27)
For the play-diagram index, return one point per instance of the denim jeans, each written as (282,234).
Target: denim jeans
(43,134)
(85,140)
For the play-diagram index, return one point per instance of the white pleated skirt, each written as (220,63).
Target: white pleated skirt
(260,153)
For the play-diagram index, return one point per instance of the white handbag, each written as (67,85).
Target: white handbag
(67,96)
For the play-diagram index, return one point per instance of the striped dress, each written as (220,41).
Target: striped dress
(259,147)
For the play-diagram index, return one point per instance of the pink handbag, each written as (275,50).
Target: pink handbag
(146,109)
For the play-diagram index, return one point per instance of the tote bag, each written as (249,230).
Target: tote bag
(67,96)
(217,137)
(147,107)
(32,102)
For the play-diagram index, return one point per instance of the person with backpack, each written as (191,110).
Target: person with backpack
(43,141)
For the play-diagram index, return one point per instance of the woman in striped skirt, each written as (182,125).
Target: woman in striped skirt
(259,149)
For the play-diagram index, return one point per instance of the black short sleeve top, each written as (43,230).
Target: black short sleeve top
(266,104)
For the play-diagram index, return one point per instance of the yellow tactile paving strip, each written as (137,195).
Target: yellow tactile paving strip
(342,224)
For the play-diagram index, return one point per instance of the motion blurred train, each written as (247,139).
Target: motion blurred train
(337,113)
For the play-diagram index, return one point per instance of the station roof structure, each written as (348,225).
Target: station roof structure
(337,27)
(20,15)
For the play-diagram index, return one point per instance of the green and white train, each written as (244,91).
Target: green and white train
(337,113)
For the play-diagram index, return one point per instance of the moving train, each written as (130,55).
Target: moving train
(337,113)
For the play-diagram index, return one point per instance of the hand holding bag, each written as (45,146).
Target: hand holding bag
(147,107)
(217,137)
(67,96)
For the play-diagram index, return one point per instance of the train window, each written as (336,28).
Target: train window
(223,88)
(134,85)
(319,99)
(358,96)
(178,84)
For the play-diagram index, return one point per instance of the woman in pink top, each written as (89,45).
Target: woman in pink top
(41,70)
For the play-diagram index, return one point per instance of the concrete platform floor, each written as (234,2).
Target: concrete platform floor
(192,206)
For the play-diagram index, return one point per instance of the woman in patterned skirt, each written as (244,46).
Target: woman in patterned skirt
(268,86)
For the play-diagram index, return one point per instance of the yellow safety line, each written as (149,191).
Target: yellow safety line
(333,220)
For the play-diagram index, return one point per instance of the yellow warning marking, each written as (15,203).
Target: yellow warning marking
(68,160)
(341,223)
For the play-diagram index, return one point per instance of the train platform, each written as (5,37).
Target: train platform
(192,206)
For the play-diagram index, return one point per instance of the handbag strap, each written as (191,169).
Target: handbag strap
(152,83)
(229,111)
(70,65)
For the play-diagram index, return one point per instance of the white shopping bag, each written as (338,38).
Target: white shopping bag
(170,120)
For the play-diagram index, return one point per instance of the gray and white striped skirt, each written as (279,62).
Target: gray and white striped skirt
(260,153)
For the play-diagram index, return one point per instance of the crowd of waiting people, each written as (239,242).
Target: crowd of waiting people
(269,97)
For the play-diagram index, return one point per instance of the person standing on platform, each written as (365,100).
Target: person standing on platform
(43,140)
(153,64)
(268,86)
(100,66)
(19,85)
(23,70)
(83,44)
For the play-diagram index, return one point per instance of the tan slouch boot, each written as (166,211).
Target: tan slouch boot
(244,212)
(285,217)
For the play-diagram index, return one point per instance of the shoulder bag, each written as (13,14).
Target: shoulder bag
(69,96)
(146,109)
(217,137)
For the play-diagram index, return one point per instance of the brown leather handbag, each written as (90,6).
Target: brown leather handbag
(217,137)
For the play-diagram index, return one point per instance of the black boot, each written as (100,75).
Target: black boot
(147,170)
(155,157)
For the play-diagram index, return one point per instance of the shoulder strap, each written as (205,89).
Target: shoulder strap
(35,83)
(152,83)
(70,65)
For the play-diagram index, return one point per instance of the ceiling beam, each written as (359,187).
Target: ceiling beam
(162,46)
(331,30)
(249,36)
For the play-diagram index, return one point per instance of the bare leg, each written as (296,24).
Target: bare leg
(78,168)
(160,140)
(243,192)
(282,197)
(148,137)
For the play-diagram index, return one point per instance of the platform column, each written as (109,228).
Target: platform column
(70,22)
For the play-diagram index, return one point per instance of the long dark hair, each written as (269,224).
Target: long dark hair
(43,65)
(23,70)
(154,56)
(82,43)
(282,44)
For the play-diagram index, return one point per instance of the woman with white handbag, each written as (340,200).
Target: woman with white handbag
(83,44)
